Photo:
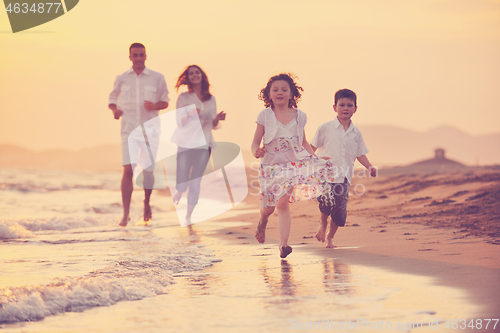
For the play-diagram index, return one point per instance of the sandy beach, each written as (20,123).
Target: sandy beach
(415,255)
(444,225)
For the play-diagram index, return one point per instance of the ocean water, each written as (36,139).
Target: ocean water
(65,266)
(61,249)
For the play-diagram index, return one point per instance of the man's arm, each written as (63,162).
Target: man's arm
(117,113)
(113,97)
(162,90)
(150,106)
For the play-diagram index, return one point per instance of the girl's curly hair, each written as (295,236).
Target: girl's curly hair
(295,90)
(184,80)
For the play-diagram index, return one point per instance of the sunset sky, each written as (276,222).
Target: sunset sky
(414,64)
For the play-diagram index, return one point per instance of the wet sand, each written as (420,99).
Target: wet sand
(452,242)
(250,289)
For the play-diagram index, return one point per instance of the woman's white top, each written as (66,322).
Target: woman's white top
(197,132)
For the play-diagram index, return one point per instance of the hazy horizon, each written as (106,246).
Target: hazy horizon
(388,146)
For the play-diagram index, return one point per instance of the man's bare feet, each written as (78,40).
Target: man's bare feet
(124,221)
(177,197)
(148,215)
(320,235)
(285,251)
(329,243)
(260,234)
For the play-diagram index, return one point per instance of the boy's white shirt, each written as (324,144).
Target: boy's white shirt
(343,147)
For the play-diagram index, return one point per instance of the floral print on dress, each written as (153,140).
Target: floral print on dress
(286,166)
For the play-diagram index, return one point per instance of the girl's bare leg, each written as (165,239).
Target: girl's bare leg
(260,234)
(284,219)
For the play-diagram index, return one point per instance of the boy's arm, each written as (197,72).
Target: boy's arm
(257,151)
(366,163)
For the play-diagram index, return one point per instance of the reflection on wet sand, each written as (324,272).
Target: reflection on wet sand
(248,288)
(282,285)
(193,235)
(336,278)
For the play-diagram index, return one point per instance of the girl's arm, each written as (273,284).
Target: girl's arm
(364,160)
(307,146)
(257,151)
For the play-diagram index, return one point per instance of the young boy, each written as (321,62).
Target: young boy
(343,143)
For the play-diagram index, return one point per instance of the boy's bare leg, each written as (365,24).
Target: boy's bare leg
(127,187)
(148,183)
(331,234)
(323,222)
(260,234)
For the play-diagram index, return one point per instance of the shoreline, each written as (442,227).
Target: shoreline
(476,281)
(451,257)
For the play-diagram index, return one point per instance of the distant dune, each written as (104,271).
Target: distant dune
(389,146)
(396,146)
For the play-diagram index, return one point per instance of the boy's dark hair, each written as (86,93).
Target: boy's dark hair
(184,80)
(294,90)
(346,93)
(136,45)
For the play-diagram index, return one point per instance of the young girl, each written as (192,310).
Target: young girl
(287,158)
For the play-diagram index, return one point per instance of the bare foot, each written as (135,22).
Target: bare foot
(177,197)
(260,234)
(329,243)
(320,235)
(285,250)
(124,221)
(148,215)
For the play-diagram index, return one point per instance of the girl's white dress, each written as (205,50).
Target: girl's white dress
(287,164)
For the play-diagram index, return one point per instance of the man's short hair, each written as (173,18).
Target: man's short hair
(136,45)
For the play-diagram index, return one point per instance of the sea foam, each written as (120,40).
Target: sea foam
(129,278)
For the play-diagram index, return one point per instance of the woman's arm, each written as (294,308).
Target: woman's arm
(182,115)
(220,116)
(257,151)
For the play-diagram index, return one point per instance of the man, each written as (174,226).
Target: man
(137,96)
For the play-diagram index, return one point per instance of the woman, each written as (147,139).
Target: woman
(194,108)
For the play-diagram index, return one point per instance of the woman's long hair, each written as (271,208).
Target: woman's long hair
(205,85)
